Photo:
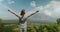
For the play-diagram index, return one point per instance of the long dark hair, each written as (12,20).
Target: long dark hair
(22,12)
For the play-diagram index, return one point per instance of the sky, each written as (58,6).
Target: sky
(48,7)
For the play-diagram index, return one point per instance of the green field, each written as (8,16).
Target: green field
(31,27)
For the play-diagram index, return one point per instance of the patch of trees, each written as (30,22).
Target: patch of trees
(58,21)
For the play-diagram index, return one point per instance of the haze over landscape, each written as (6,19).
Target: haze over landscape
(49,10)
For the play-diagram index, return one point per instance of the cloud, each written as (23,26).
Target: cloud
(4,14)
(33,4)
(47,13)
(52,9)
(11,2)
(1,0)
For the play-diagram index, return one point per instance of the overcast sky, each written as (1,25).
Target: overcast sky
(48,7)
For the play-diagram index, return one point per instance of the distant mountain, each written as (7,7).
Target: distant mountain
(42,18)
(38,18)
